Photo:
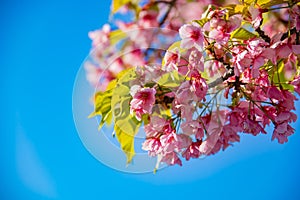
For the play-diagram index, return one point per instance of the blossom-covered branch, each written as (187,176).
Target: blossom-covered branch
(228,70)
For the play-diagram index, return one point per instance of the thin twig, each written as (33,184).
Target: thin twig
(290,32)
(171,4)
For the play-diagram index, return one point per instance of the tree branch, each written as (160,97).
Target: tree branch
(263,35)
(220,80)
(290,32)
(171,4)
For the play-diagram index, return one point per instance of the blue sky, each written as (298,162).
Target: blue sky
(42,45)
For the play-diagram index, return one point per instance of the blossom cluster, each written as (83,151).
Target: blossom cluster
(232,72)
(198,123)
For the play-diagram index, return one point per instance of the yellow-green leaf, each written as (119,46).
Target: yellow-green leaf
(264,3)
(269,4)
(170,79)
(279,77)
(126,125)
(234,9)
(126,142)
(117,4)
(103,107)
(116,36)
(242,34)
(201,22)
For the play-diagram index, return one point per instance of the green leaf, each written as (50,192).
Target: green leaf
(269,4)
(126,125)
(279,78)
(264,3)
(103,107)
(132,4)
(234,9)
(126,142)
(117,4)
(175,45)
(170,79)
(116,36)
(242,34)
(201,22)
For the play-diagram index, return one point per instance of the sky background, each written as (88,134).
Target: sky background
(42,46)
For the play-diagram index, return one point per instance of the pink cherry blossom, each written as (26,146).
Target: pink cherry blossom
(296,84)
(157,126)
(142,102)
(170,142)
(101,36)
(281,132)
(148,18)
(98,77)
(198,85)
(171,59)
(193,128)
(192,151)
(196,61)
(295,15)
(183,106)
(171,159)
(153,146)
(241,60)
(220,36)
(256,15)
(189,120)
(252,126)
(192,36)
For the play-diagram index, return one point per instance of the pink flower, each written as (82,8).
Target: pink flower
(229,135)
(191,35)
(192,151)
(171,60)
(256,15)
(157,126)
(193,128)
(101,36)
(171,159)
(286,116)
(284,50)
(116,66)
(296,84)
(182,104)
(169,142)
(288,100)
(275,93)
(153,146)
(220,36)
(97,77)
(241,60)
(184,94)
(214,67)
(196,61)
(295,15)
(253,127)
(148,18)
(142,102)
(281,132)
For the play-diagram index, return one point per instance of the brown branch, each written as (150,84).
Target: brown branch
(290,32)
(263,35)
(171,4)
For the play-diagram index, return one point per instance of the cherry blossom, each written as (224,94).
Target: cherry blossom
(192,36)
(234,71)
(142,102)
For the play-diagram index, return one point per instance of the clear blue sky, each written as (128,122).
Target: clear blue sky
(42,45)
